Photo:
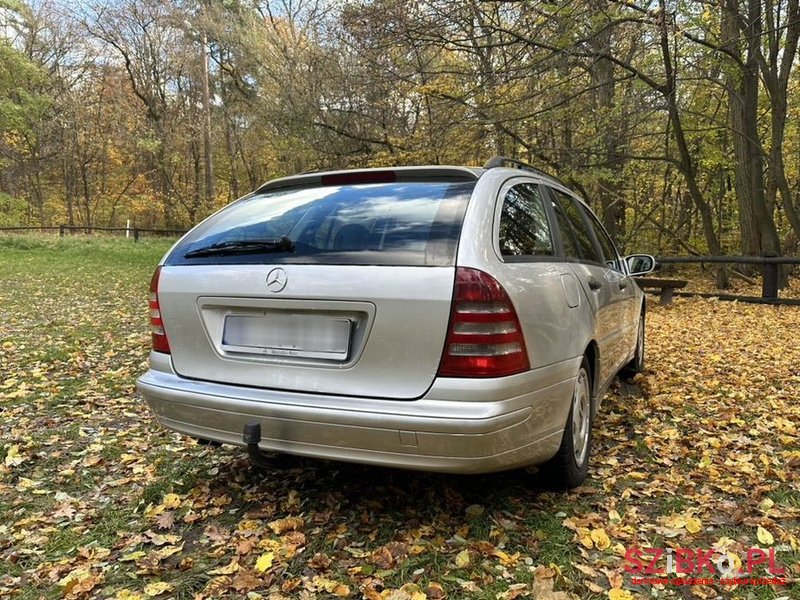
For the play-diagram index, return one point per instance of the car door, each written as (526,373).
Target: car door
(600,284)
(537,282)
(628,322)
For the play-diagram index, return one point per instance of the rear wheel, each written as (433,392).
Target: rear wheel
(636,365)
(569,467)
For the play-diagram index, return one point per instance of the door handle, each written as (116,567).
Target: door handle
(623,285)
(594,285)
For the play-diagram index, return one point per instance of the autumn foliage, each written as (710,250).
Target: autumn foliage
(97,500)
(675,120)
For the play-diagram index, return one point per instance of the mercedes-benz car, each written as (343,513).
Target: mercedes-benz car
(440,318)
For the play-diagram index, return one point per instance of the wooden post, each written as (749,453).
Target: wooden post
(135,234)
(61,230)
(769,279)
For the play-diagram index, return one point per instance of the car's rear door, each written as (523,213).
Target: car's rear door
(599,283)
(543,288)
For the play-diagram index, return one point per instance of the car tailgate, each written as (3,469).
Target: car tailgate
(357,330)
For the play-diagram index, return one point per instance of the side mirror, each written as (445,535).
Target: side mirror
(640,264)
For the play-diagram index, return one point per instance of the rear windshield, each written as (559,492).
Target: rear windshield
(400,223)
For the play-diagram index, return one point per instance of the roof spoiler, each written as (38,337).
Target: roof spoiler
(321,178)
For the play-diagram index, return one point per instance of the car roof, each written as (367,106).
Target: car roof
(409,173)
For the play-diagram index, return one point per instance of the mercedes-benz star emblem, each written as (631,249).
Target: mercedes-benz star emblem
(276,280)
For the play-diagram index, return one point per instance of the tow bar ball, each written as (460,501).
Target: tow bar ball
(251,435)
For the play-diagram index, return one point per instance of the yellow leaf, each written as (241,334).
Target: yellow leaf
(228,569)
(505,559)
(264,562)
(172,501)
(693,525)
(131,556)
(462,559)
(617,594)
(168,551)
(69,580)
(764,536)
(584,537)
(501,555)
(675,521)
(13,457)
(128,595)
(600,539)
(157,588)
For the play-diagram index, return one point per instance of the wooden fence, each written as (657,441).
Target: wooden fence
(134,232)
(770,275)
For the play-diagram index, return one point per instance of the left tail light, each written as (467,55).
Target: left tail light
(160,341)
(485,336)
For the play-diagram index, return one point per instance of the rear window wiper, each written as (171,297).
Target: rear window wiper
(255,246)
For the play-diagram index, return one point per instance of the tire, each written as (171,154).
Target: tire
(636,365)
(569,467)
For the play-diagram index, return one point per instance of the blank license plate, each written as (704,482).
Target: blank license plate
(301,336)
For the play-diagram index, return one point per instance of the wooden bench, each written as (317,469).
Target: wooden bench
(665,286)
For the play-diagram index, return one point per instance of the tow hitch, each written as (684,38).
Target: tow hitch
(251,435)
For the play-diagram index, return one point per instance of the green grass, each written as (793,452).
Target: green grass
(96,468)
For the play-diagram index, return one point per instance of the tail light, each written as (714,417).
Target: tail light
(160,341)
(485,338)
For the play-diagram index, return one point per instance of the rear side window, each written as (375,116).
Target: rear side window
(610,256)
(578,241)
(524,230)
(400,223)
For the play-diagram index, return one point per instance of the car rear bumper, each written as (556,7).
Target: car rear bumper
(454,428)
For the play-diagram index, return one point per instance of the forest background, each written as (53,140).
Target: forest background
(676,120)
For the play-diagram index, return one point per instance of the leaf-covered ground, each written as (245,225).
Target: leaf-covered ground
(97,500)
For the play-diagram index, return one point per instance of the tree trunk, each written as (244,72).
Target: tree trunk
(231,149)
(207,148)
(608,189)
(776,62)
(686,161)
(759,235)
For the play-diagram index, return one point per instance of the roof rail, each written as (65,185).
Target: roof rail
(513,163)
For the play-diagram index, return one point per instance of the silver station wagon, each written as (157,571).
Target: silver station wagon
(447,319)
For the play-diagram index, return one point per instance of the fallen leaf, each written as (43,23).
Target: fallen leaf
(600,539)
(228,569)
(462,559)
(280,526)
(435,591)
(764,536)
(13,456)
(693,525)
(166,520)
(157,588)
(264,562)
(171,501)
(542,589)
(128,595)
